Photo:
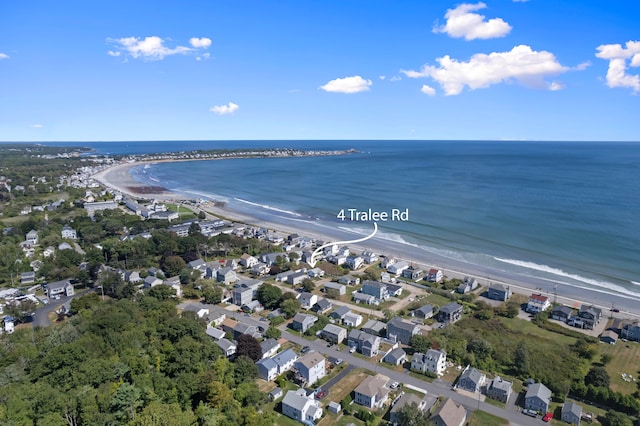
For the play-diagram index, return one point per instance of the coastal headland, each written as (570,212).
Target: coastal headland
(118,178)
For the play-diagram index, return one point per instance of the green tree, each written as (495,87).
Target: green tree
(126,401)
(172,265)
(420,343)
(521,361)
(290,307)
(273,332)
(244,370)
(161,414)
(248,346)
(162,292)
(411,415)
(212,294)
(269,295)
(614,418)
(308,285)
(597,376)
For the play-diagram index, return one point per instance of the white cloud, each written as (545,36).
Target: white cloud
(617,55)
(4,56)
(395,78)
(37,126)
(353,84)
(229,108)
(463,22)
(555,86)
(153,48)
(428,90)
(583,66)
(521,64)
(200,42)
(382,77)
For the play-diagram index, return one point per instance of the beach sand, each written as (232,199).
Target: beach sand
(119,179)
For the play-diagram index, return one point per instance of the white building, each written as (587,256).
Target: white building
(298,406)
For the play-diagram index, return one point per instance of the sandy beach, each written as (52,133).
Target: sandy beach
(118,178)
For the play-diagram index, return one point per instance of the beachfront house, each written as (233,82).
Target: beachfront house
(435,275)
(538,303)
(562,313)
(498,292)
(413,273)
(589,316)
(397,267)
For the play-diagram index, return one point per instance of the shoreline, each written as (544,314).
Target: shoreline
(118,178)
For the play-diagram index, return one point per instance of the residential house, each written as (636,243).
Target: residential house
(471,380)
(352,319)
(398,267)
(276,394)
(330,250)
(228,325)
(132,277)
(57,288)
(310,368)
(226,275)
(349,280)
(354,262)
(434,361)
(449,413)
(401,331)
(248,261)
(198,265)
(228,347)
(307,300)
(48,252)
(322,306)
(303,322)
(215,333)
(297,277)
(269,347)
(435,275)
(27,277)
(260,269)
(463,288)
(93,207)
(217,318)
(630,331)
(365,299)
(571,413)
(68,233)
(424,312)
(537,398)
(396,357)
(298,406)
(267,369)
(375,289)
(32,238)
(242,295)
(387,261)
(374,327)
(334,407)
(500,389)
(413,273)
(451,312)
(499,292)
(372,392)
(339,313)
(609,336)
(562,313)
(364,343)
(282,276)
(242,328)
(252,306)
(315,273)
(334,333)
(590,316)
(394,290)
(369,257)
(538,303)
(405,399)
(285,360)
(273,258)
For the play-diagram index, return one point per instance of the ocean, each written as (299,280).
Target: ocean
(564,212)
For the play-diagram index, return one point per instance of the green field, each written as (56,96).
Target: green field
(481,418)
(625,359)
(527,327)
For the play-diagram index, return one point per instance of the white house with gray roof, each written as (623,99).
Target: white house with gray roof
(285,360)
(310,368)
(298,406)
(267,369)
(372,392)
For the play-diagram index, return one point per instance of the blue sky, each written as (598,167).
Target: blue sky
(303,69)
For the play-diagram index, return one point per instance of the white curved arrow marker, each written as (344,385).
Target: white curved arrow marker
(317,251)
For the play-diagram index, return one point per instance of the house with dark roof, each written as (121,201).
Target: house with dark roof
(571,413)
(498,292)
(590,316)
(451,312)
(374,327)
(57,288)
(228,347)
(631,331)
(609,336)
(396,357)
(537,398)
(285,360)
(334,333)
(449,414)
(424,312)
(471,380)
(363,298)
(339,313)
(401,331)
(376,289)
(269,347)
(499,389)
(303,322)
(561,313)
(364,343)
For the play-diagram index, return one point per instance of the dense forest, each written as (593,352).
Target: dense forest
(125,362)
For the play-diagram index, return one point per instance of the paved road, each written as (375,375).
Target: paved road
(41,316)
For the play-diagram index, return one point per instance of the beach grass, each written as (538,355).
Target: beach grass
(527,327)
(437,300)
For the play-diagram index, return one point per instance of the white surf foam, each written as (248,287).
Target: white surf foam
(268,207)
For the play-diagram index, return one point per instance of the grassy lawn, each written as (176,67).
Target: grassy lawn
(527,327)
(346,385)
(436,299)
(481,418)
(625,359)
(185,212)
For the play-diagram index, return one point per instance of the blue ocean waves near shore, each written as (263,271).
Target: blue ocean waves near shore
(565,212)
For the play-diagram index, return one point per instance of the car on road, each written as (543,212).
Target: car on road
(305,349)
(531,413)
(615,310)
(547,417)
(263,319)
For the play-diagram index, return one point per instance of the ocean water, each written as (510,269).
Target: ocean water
(564,212)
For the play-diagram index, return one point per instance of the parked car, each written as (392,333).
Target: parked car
(305,349)
(338,361)
(394,385)
(352,350)
(547,417)
(531,413)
